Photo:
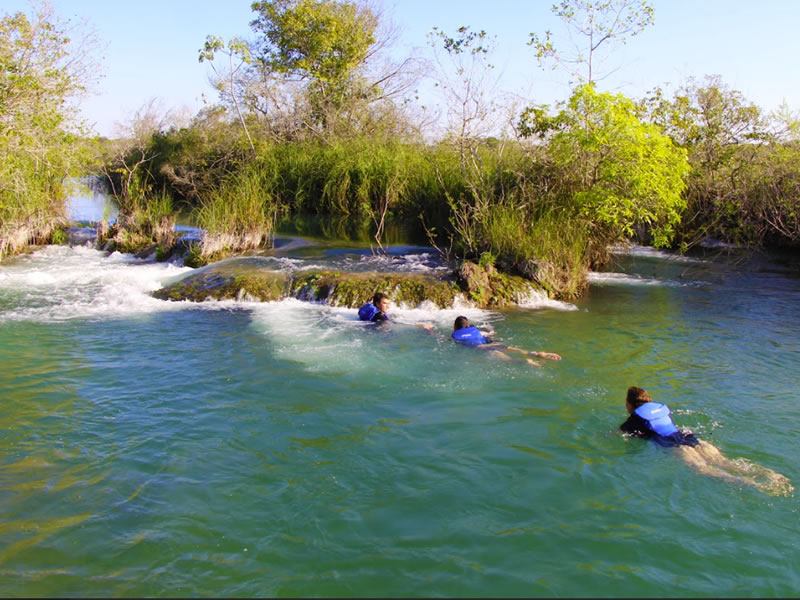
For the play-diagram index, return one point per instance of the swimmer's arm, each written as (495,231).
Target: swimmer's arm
(634,425)
(430,328)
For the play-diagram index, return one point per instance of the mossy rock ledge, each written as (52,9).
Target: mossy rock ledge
(246,278)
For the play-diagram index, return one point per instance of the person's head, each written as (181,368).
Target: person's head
(635,398)
(381,301)
(460,323)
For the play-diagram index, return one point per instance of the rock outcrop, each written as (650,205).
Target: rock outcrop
(245,278)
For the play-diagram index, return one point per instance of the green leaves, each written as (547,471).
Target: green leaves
(323,42)
(616,170)
(215,44)
(38,142)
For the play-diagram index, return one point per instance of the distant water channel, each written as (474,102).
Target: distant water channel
(151,448)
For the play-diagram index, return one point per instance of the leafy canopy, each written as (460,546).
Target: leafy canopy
(324,41)
(41,72)
(620,171)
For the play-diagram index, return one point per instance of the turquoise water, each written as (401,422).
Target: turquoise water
(151,448)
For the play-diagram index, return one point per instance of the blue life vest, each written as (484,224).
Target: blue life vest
(470,336)
(657,417)
(367,312)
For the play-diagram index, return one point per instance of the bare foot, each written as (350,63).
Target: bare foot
(550,355)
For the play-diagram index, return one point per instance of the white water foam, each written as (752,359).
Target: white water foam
(626,279)
(414,263)
(59,283)
(655,253)
(621,279)
(537,299)
(332,339)
(322,337)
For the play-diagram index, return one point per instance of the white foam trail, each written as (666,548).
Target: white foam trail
(621,279)
(414,263)
(537,299)
(59,283)
(428,312)
(715,243)
(332,339)
(324,338)
(649,252)
(626,279)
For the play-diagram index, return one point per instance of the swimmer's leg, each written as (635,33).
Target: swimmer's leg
(708,460)
(533,354)
(506,357)
(698,461)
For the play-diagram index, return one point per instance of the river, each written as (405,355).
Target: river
(154,448)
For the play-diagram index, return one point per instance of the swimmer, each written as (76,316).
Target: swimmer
(470,335)
(650,420)
(376,310)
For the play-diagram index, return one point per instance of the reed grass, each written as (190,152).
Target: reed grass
(240,214)
(32,204)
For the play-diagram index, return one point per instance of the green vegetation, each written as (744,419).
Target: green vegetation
(240,214)
(312,120)
(41,142)
(744,182)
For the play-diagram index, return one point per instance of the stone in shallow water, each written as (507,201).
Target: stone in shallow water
(247,278)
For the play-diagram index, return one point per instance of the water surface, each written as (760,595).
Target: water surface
(151,448)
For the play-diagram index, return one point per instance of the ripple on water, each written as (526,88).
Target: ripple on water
(287,449)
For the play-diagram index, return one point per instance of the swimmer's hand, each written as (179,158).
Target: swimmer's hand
(550,355)
(532,362)
(425,326)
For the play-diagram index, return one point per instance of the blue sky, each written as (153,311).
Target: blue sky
(151,47)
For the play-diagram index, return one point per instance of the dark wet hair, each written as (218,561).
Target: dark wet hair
(378,297)
(637,396)
(460,323)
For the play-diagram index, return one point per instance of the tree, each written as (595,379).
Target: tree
(45,64)
(320,42)
(619,171)
(601,23)
(227,82)
(465,83)
(743,184)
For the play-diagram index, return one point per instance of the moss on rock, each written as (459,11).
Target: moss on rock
(353,289)
(249,278)
(227,282)
(489,288)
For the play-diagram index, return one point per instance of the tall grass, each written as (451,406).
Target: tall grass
(504,206)
(550,248)
(348,177)
(32,203)
(240,214)
(145,218)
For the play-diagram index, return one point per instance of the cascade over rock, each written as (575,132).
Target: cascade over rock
(246,278)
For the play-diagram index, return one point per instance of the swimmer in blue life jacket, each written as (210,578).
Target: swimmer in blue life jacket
(375,311)
(651,420)
(470,335)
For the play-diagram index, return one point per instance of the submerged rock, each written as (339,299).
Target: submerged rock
(232,279)
(247,278)
(351,290)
